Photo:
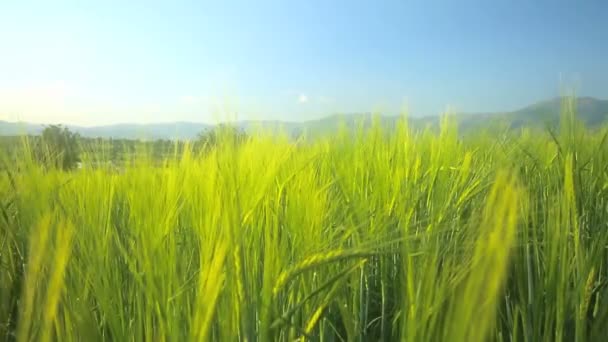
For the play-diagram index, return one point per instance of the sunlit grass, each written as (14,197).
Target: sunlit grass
(366,235)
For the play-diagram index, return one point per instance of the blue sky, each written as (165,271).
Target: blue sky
(99,62)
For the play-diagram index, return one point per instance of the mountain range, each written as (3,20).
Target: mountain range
(591,111)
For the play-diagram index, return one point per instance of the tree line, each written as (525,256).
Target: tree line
(59,147)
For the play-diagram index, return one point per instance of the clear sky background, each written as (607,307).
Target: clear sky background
(100,62)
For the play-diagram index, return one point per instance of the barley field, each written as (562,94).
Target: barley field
(374,234)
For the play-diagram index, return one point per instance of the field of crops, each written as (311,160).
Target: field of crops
(363,236)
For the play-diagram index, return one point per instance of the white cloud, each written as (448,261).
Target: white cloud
(302,98)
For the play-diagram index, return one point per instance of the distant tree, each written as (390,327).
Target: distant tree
(58,147)
(221,134)
(161,149)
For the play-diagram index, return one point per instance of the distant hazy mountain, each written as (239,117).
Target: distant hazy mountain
(592,111)
(18,128)
(173,130)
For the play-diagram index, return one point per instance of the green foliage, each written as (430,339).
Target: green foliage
(363,236)
(58,147)
(223,133)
